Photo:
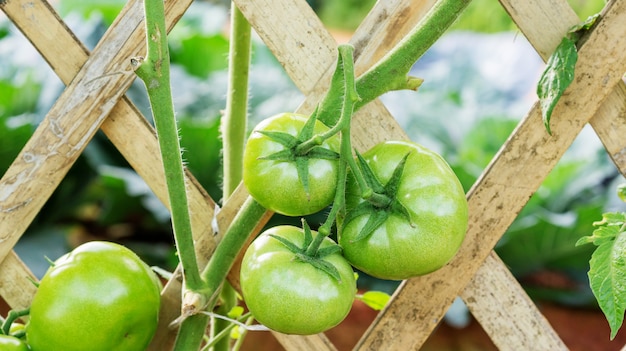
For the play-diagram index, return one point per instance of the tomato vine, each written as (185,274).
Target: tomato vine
(346,94)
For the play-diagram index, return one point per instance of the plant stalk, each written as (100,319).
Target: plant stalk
(214,274)
(154,71)
(391,72)
(235,117)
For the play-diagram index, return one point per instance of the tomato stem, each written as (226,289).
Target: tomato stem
(245,223)
(11,317)
(235,117)
(345,64)
(391,72)
(234,128)
(154,71)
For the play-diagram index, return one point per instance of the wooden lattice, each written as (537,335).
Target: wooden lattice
(94,99)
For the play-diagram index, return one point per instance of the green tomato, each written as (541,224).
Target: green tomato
(277,184)
(99,297)
(430,231)
(291,296)
(11,343)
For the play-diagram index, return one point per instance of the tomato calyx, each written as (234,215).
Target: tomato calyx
(300,149)
(381,200)
(310,251)
(7,323)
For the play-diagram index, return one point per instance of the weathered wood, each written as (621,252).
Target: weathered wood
(64,133)
(505,187)
(16,285)
(507,314)
(538,22)
(38,21)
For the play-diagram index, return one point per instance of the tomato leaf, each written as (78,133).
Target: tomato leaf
(377,300)
(607,229)
(607,267)
(585,26)
(557,76)
(607,277)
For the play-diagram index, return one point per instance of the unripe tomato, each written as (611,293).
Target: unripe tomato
(431,230)
(289,295)
(11,343)
(277,184)
(99,297)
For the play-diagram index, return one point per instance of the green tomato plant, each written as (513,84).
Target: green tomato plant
(297,149)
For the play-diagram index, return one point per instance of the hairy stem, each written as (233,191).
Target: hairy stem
(214,274)
(234,126)
(154,71)
(235,116)
(391,72)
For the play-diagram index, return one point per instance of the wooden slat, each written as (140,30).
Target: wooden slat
(38,21)
(543,26)
(16,286)
(494,296)
(505,187)
(63,134)
(537,22)
(507,314)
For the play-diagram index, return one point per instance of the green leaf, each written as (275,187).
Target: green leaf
(607,229)
(580,28)
(557,76)
(377,300)
(607,277)
(621,192)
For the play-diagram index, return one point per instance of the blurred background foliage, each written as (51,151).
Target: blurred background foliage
(479,82)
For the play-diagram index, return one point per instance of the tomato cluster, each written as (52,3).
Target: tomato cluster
(100,296)
(403,213)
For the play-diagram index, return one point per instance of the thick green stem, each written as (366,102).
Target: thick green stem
(391,72)
(191,332)
(154,70)
(351,97)
(234,126)
(235,116)
(244,223)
